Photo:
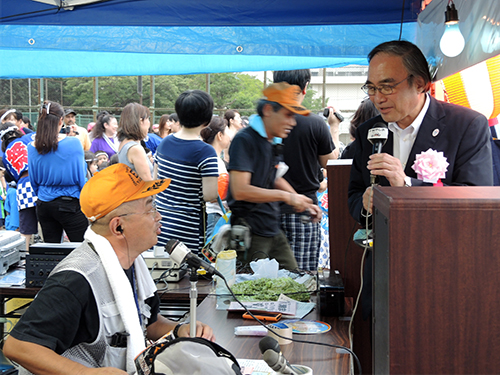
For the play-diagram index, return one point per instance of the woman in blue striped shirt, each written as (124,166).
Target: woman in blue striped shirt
(191,164)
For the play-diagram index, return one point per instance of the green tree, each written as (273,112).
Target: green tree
(119,91)
(314,104)
(229,91)
(168,89)
(249,95)
(78,92)
(223,89)
(113,91)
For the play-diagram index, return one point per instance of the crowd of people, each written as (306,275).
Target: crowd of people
(137,189)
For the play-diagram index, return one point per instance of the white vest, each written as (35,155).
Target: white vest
(99,353)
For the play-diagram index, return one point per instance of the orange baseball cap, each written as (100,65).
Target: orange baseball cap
(113,186)
(287,95)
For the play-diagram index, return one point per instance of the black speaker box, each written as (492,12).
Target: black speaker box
(331,294)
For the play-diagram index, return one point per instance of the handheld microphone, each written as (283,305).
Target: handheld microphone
(377,136)
(271,353)
(180,254)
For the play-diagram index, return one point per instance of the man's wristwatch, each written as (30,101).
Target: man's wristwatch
(407,181)
(175,332)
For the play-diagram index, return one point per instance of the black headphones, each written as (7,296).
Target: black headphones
(119,229)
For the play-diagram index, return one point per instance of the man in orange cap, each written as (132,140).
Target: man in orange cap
(305,151)
(256,176)
(100,302)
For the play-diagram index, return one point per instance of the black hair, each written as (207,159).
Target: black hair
(113,159)
(48,127)
(217,125)
(173,117)
(262,102)
(103,165)
(27,121)
(89,158)
(413,59)
(194,108)
(299,77)
(19,115)
(11,135)
(163,125)
(365,111)
(103,117)
(229,115)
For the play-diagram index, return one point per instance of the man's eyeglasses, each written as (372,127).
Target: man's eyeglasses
(371,90)
(153,211)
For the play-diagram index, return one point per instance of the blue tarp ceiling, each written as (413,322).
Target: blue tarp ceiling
(155,37)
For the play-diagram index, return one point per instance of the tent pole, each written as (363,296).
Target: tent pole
(324,87)
(96,97)
(139,88)
(152,97)
(40,92)
(29,95)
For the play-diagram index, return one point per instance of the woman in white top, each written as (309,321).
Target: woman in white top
(133,128)
(216,134)
(234,125)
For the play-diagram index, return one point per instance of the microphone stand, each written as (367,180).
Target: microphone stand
(193,299)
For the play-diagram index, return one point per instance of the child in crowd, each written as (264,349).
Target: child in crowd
(11,210)
(113,159)
(101,157)
(103,165)
(92,163)
(15,160)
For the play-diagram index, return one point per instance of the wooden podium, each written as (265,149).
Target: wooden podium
(345,255)
(436,280)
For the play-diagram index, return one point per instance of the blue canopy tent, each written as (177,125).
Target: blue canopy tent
(158,37)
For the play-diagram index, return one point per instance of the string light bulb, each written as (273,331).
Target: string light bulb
(452,42)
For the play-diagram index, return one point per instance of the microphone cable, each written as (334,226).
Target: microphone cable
(293,339)
(366,247)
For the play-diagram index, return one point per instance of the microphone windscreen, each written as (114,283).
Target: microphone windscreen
(269,343)
(378,131)
(169,247)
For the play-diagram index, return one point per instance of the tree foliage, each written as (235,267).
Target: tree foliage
(229,91)
(249,95)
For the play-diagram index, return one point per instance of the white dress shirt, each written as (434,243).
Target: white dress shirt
(404,138)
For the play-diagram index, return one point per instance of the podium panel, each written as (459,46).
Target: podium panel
(345,255)
(436,280)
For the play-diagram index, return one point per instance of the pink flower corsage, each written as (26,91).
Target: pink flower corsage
(430,166)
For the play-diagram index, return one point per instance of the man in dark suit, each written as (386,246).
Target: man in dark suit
(397,83)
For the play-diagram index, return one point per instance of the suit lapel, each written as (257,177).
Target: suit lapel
(430,130)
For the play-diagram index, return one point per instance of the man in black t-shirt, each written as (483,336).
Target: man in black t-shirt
(100,303)
(255,176)
(307,149)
